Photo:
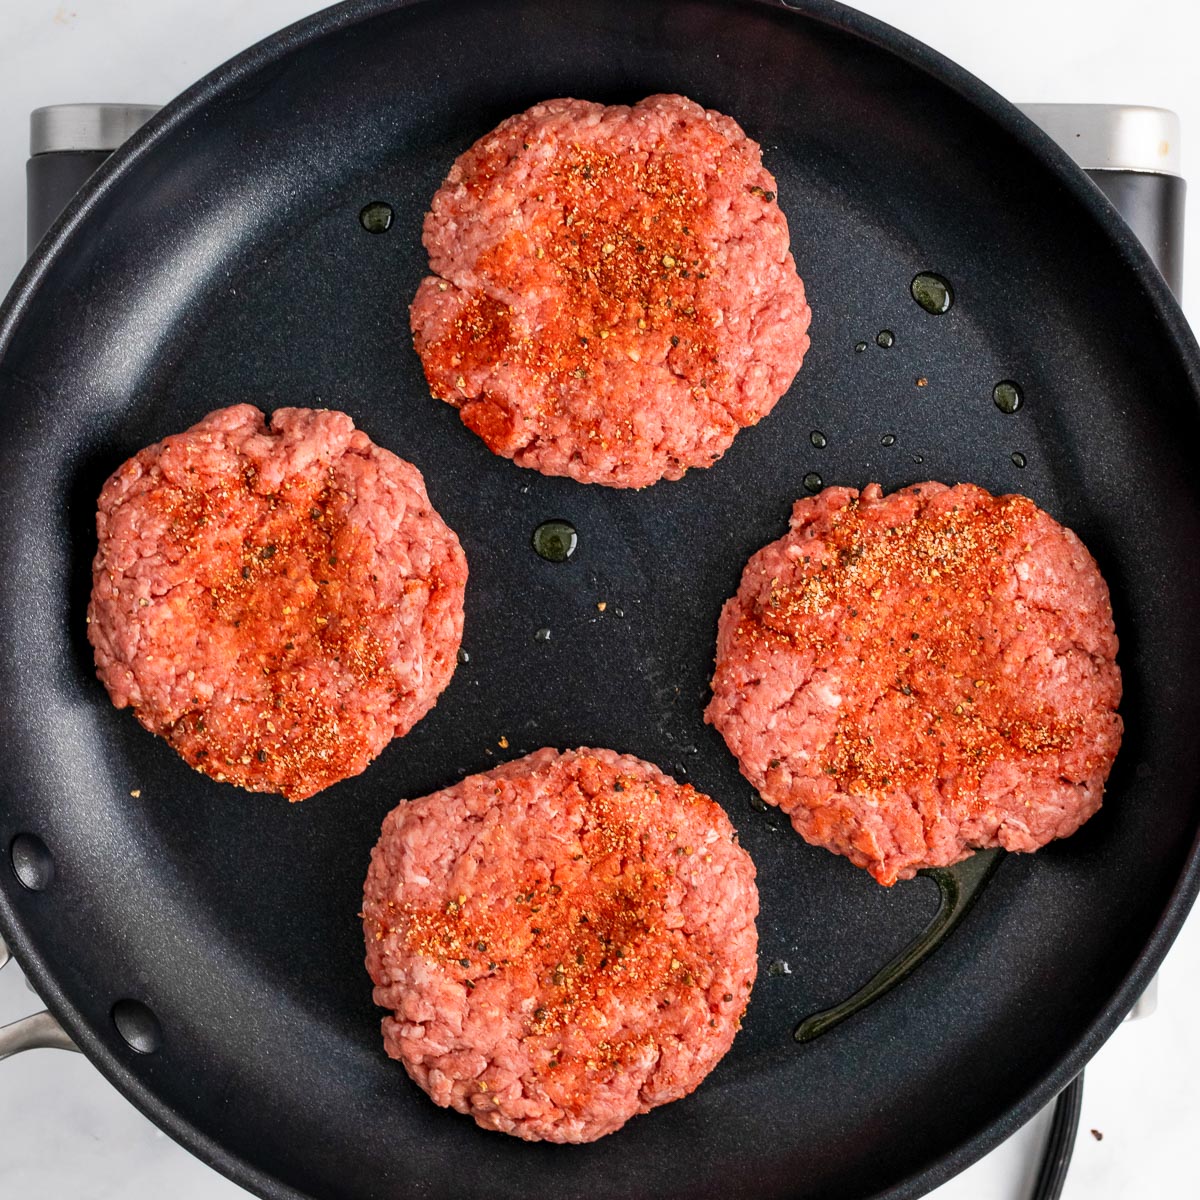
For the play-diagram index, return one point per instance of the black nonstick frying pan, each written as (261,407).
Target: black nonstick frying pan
(219,256)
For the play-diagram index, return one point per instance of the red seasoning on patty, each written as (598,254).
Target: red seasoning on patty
(277,602)
(563,942)
(915,676)
(613,297)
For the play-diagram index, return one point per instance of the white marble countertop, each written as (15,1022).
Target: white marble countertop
(65,1134)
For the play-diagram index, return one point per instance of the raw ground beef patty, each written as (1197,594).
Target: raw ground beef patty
(564,942)
(613,296)
(914,676)
(278,603)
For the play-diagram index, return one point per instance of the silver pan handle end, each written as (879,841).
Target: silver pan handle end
(38,1031)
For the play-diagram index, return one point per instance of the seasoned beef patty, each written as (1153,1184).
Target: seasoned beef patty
(915,676)
(613,297)
(563,942)
(278,603)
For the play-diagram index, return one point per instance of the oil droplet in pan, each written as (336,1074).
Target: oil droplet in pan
(1018,459)
(812,482)
(885,338)
(958,887)
(818,439)
(1007,396)
(859,347)
(555,541)
(932,293)
(888,439)
(376,217)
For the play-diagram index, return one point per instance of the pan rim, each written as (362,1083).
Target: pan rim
(1004,115)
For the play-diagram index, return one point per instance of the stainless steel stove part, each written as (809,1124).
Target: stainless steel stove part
(61,127)
(1113,137)
(1147,1003)
(1132,154)
(67,142)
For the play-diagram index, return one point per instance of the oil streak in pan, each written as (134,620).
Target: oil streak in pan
(959,886)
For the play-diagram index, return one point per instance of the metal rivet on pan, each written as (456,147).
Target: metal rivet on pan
(376,217)
(137,1025)
(32,863)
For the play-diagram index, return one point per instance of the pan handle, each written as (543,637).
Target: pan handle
(37,1031)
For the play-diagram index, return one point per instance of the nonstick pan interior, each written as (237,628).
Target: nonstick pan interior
(221,258)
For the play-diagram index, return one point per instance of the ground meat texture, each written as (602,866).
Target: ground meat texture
(563,942)
(613,296)
(278,603)
(915,676)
